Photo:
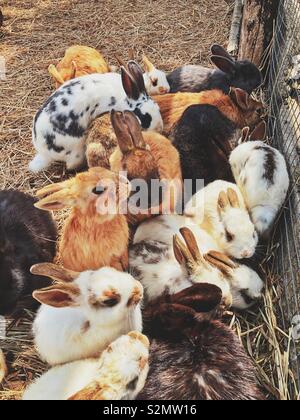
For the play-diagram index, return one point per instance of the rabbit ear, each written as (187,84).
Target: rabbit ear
(54,272)
(122,132)
(131,54)
(223,201)
(148,65)
(245,135)
(56,201)
(129,85)
(55,74)
(120,61)
(221,261)
(223,64)
(202,297)
(217,49)
(191,243)
(137,74)
(58,296)
(52,188)
(74,70)
(233,198)
(135,130)
(240,98)
(260,132)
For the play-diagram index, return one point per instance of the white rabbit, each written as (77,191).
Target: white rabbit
(155,260)
(219,208)
(260,172)
(156,81)
(119,374)
(83,313)
(60,124)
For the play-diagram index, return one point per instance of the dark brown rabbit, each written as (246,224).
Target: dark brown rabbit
(194,356)
(240,74)
(205,138)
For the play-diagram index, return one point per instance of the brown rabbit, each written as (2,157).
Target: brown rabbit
(147,156)
(194,356)
(93,237)
(238,106)
(79,60)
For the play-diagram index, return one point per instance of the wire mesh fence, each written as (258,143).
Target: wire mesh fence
(284,97)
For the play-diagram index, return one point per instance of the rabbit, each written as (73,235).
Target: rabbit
(96,233)
(84,312)
(3,367)
(156,82)
(240,74)
(118,374)
(161,266)
(193,355)
(238,106)
(27,236)
(260,172)
(60,124)
(147,157)
(220,209)
(152,259)
(204,138)
(78,61)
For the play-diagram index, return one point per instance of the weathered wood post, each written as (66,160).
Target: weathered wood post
(258,22)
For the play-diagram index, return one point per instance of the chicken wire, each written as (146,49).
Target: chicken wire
(284,97)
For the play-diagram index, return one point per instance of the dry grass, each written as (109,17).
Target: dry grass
(36,34)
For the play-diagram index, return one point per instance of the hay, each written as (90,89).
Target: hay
(35,34)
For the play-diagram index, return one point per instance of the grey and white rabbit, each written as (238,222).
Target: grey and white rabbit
(229,73)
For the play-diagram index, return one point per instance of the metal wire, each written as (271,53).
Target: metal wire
(284,127)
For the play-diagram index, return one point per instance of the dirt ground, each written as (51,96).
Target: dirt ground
(36,34)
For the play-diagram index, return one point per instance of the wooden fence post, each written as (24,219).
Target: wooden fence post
(259,17)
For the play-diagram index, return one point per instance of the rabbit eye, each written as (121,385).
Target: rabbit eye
(154,82)
(132,385)
(99,190)
(229,236)
(111,302)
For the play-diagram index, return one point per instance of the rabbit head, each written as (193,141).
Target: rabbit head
(98,189)
(239,237)
(246,286)
(3,367)
(144,107)
(180,314)
(123,372)
(137,160)
(242,74)
(259,133)
(156,80)
(199,268)
(250,110)
(105,293)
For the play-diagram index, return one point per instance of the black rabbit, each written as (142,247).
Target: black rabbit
(27,237)
(230,73)
(194,356)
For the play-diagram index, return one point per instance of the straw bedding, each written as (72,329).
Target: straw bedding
(35,34)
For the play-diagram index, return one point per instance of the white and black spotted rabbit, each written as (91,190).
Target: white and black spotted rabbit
(60,124)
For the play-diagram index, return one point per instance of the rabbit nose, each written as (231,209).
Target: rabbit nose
(163,90)
(246,254)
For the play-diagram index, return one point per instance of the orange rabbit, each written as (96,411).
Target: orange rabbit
(147,156)
(238,106)
(93,237)
(78,61)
